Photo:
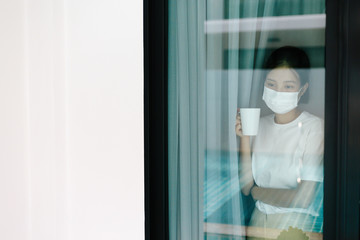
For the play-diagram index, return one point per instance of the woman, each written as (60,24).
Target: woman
(283,166)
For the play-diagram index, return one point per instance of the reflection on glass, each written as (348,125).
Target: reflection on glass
(266,55)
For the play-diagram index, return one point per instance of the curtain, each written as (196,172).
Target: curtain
(186,118)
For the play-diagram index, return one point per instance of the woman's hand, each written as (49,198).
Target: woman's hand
(238,128)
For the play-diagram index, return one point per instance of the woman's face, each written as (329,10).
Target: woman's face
(283,80)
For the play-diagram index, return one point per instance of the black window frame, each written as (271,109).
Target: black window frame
(342,125)
(155,22)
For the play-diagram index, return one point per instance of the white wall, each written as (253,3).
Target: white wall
(13,161)
(105,118)
(71,85)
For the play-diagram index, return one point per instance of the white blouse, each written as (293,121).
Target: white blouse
(285,154)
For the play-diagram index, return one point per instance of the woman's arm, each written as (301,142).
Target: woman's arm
(300,197)
(245,169)
(246,175)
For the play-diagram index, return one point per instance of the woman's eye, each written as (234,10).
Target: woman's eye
(289,87)
(270,84)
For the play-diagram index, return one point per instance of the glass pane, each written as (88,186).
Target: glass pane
(280,165)
(246,128)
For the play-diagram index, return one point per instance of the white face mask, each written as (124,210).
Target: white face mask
(280,102)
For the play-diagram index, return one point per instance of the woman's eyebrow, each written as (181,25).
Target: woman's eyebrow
(269,79)
(290,81)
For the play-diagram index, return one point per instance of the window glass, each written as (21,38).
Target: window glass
(246,119)
(265,77)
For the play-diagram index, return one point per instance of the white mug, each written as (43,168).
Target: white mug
(250,121)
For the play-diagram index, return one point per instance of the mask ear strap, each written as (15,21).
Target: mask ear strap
(299,93)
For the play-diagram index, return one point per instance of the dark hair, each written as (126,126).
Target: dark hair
(290,57)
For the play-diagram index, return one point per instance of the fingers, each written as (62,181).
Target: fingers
(238,119)
(238,129)
(238,115)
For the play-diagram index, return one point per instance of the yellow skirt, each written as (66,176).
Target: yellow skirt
(269,226)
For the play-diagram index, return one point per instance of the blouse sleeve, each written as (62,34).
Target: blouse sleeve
(313,158)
